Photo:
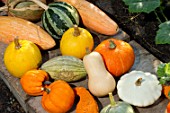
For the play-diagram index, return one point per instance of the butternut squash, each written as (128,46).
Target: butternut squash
(12,27)
(100,81)
(93,17)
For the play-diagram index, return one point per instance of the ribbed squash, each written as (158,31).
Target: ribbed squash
(12,27)
(58,17)
(67,68)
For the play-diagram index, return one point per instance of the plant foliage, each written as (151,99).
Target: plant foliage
(146,6)
(163,33)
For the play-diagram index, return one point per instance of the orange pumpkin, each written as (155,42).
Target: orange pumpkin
(118,55)
(58,97)
(167,108)
(32,82)
(166,91)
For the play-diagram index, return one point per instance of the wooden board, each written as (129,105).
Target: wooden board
(144,62)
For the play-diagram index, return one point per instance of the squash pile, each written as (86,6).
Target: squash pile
(106,66)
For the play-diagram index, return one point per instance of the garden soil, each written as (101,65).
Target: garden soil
(140,27)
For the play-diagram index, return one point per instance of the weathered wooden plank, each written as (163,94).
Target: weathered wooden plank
(12,82)
(144,62)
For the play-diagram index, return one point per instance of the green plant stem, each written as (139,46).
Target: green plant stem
(112,101)
(158,17)
(163,14)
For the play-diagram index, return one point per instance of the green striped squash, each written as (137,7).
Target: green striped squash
(58,18)
(67,68)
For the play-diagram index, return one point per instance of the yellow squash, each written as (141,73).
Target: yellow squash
(21,56)
(75,42)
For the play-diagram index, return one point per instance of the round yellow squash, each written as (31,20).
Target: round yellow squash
(75,42)
(21,56)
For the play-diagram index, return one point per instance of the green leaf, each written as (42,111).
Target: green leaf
(167,69)
(137,6)
(163,33)
(163,73)
(161,70)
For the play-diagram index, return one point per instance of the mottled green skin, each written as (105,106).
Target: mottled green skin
(65,68)
(26,10)
(120,107)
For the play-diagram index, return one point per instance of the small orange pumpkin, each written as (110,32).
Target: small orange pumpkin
(167,108)
(166,91)
(32,82)
(58,97)
(118,55)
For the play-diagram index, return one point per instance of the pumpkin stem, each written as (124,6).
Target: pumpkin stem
(41,4)
(16,42)
(138,82)
(76,31)
(112,45)
(112,100)
(47,90)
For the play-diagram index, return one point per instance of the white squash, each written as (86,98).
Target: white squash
(139,88)
(100,81)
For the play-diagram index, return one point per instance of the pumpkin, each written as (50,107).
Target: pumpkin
(75,42)
(58,97)
(58,17)
(100,81)
(21,56)
(26,30)
(32,82)
(67,68)
(118,56)
(93,17)
(139,88)
(167,110)
(87,103)
(117,107)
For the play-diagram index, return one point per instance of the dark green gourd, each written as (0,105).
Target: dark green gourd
(58,17)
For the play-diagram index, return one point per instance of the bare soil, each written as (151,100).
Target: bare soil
(141,28)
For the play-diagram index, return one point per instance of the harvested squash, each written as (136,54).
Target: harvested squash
(67,68)
(133,87)
(75,42)
(117,107)
(87,103)
(32,82)
(58,17)
(58,97)
(100,81)
(21,56)
(93,17)
(118,56)
(167,108)
(23,29)
(24,9)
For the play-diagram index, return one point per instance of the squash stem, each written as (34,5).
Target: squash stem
(76,31)
(112,100)
(47,90)
(41,4)
(138,82)
(17,44)
(112,45)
